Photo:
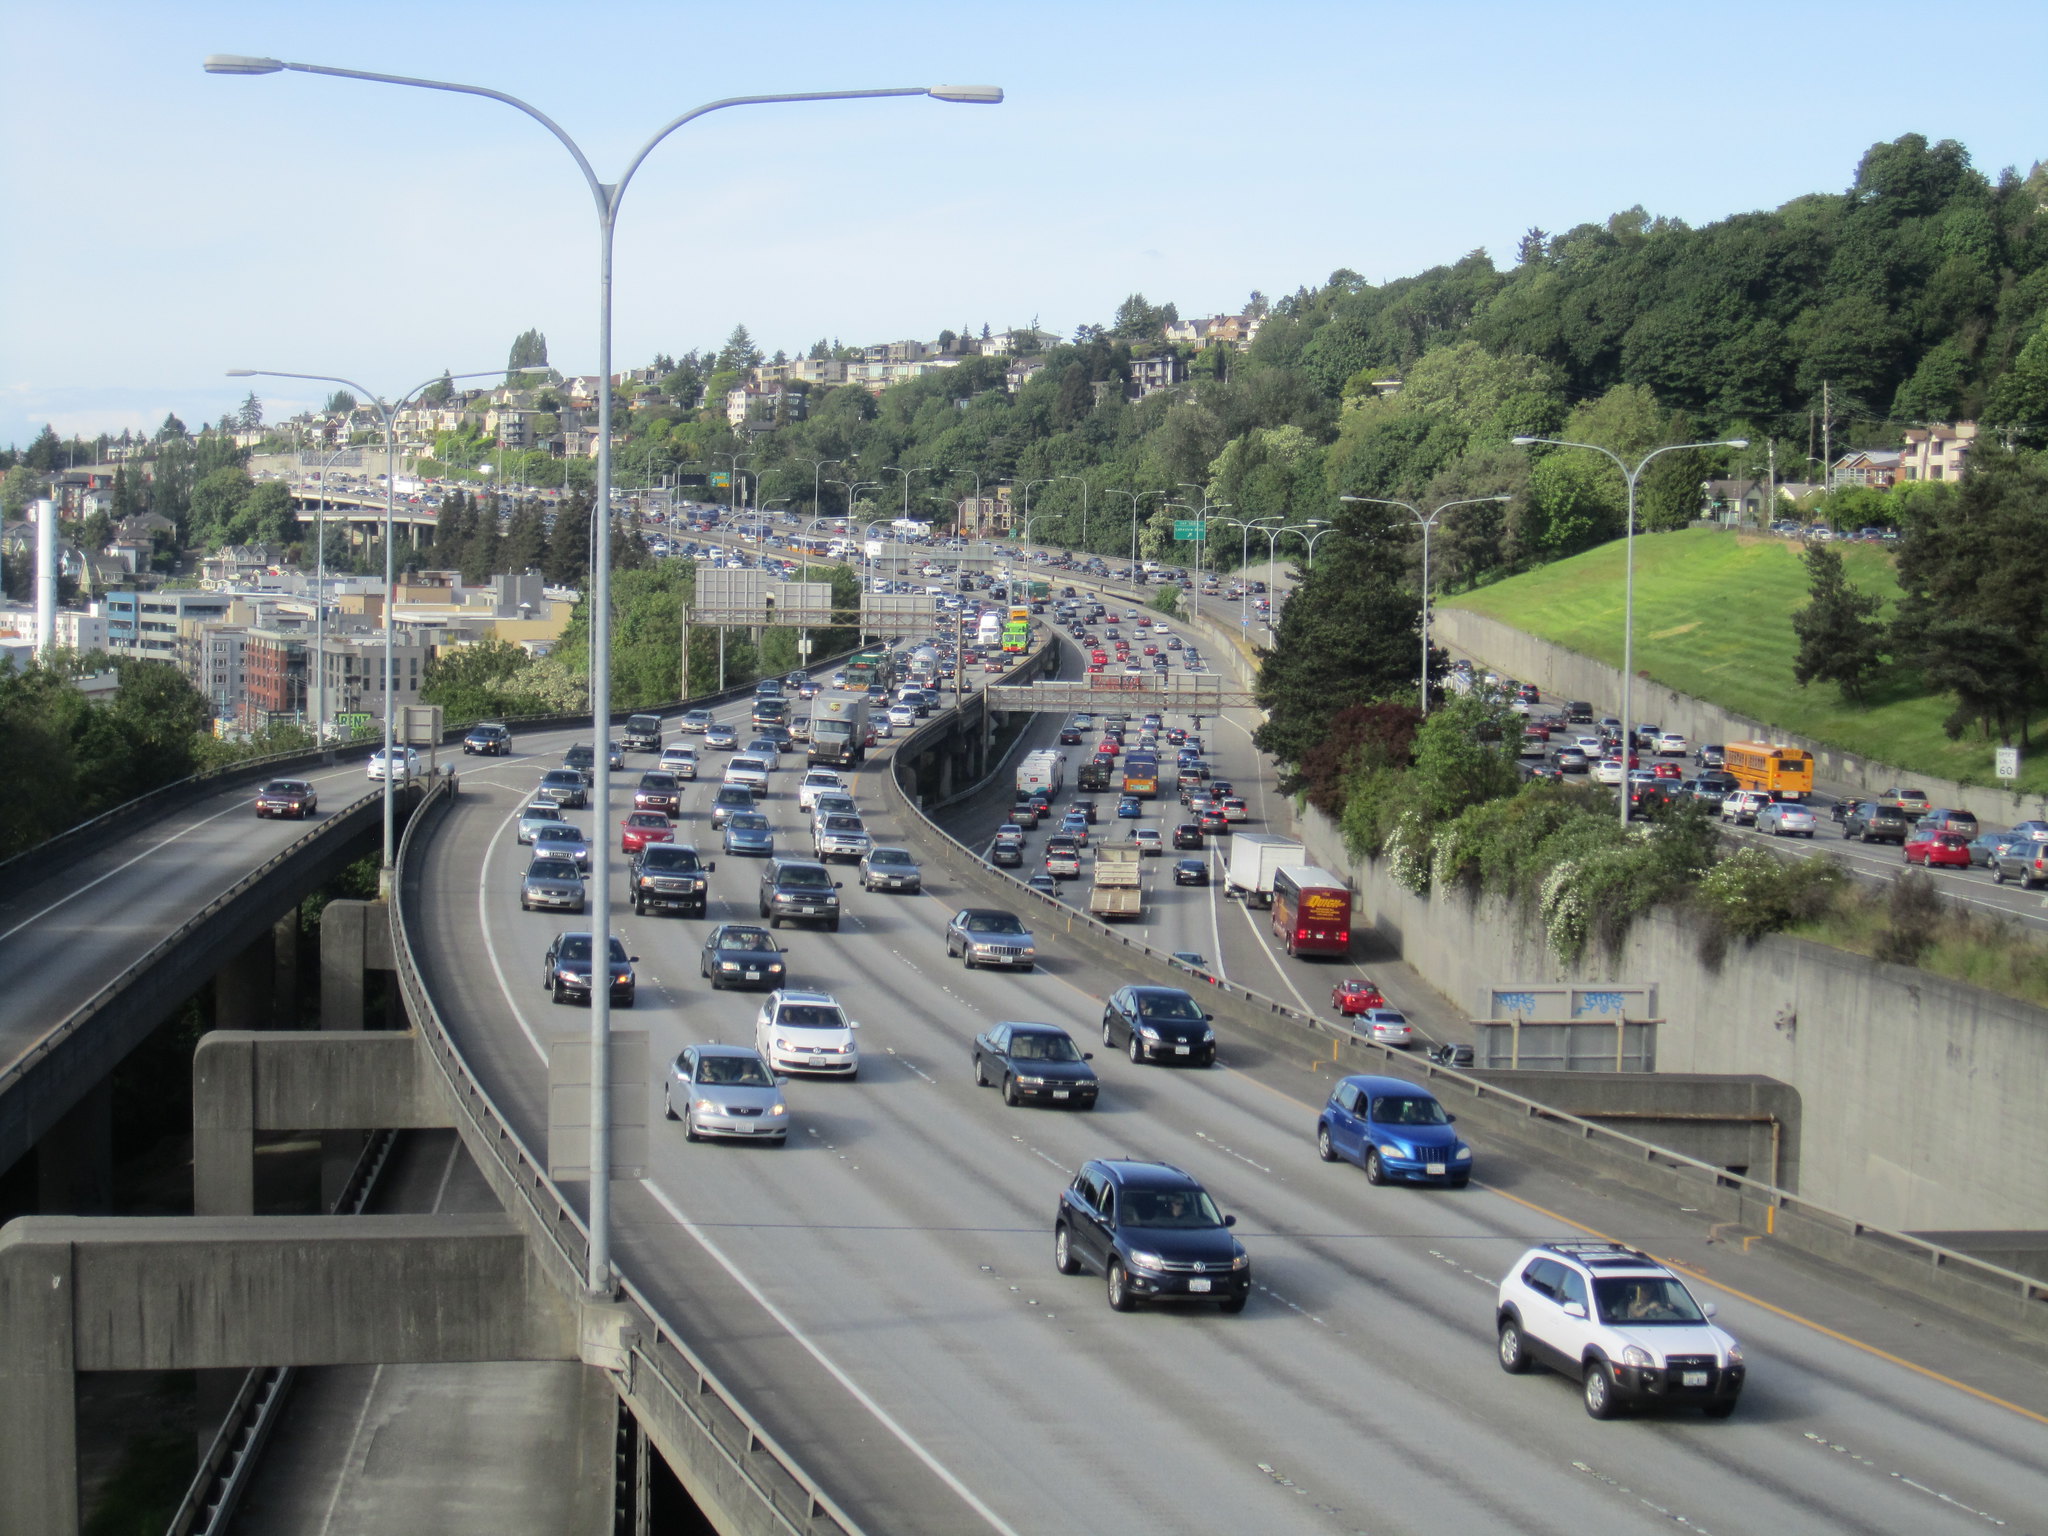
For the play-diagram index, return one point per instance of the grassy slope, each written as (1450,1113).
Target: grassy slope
(1713,619)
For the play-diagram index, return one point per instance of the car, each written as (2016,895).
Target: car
(902,717)
(730,798)
(721,737)
(667,877)
(1034,1064)
(769,747)
(1042,883)
(1210,818)
(1608,771)
(807,1032)
(989,936)
(659,791)
(1356,995)
(1153,1233)
(890,869)
(2023,858)
(815,782)
(1129,808)
(1931,846)
(536,816)
(725,1091)
(1006,852)
(748,772)
(1191,872)
(1710,755)
(748,832)
(562,838)
(1452,1053)
(799,890)
(1987,846)
(1159,1024)
(1074,825)
(1711,789)
(405,760)
(1783,818)
(832,803)
(1062,858)
(1670,771)
(695,722)
(1382,1026)
(1149,842)
(564,788)
(1070,735)
(1744,806)
(642,733)
(1670,744)
(839,836)
(1189,835)
(1948,819)
(740,955)
(1913,802)
(644,827)
(554,883)
(1578,712)
(1234,808)
(487,738)
(679,760)
(565,970)
(1620,1323)
(1394,1130)
(287,797)
(1087,810)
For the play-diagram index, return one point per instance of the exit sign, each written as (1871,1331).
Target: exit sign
(1187,531)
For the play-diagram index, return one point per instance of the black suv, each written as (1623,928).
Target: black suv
(642,734)
(1868,822)
(1152,1232)
(1159,1024)
(488,739)
(799,891)
(668,877)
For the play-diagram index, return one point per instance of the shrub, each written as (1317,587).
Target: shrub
(1753,892)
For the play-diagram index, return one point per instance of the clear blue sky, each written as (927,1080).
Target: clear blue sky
(165,225)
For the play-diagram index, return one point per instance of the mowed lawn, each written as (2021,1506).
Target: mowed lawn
(1714,619)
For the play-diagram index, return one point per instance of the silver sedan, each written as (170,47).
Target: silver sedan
(725,1091)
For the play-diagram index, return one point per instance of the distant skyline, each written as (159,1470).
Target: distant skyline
(167,225)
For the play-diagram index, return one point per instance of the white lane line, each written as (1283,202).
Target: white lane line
(920,1071)
(1278,969)
(1624,1489)
(853,1388)
(1919,1487)
(1231,1151)
(483,922)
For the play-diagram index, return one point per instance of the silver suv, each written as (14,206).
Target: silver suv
(1621,1323)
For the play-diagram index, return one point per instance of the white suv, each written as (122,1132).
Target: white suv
(818,781)
(807,1032)
(1743,805)
(1621,1323)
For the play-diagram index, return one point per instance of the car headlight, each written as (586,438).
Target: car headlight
(1146,1031)
(1240,1260)
(1208,1035)
(778,1108)
(728,965)
(775,970)
(1463,1153)
(1146,1260)
(706,1106)
(1031,1082)
(1635,1355)
(1734,1353)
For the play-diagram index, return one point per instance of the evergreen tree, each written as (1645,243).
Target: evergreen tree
(526,541)
(568,557)
(454,523)
(529,350)
(1841,640)
(250,417)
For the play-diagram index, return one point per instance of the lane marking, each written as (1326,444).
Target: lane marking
(1650,1504)
(853,1388)
(1841,1450)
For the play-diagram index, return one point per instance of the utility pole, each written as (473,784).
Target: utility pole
(1827,433)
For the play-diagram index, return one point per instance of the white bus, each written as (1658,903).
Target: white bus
(1044,770)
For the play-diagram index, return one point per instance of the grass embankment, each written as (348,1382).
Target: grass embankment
(1714,619)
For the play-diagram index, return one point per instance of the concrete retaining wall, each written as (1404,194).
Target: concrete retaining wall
(1921,1098)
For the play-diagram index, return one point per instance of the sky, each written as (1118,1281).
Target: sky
(165,225)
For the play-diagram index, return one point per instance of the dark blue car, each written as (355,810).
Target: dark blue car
(1393,1130)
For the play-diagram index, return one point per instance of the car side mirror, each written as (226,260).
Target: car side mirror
(1575,1309)
(781,1081)
(711,868)
(1208,1018)
(1710,1309)
(853,1024)
(1452,1119)
(1087,1055)
(1230,1221)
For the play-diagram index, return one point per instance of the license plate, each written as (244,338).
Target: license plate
(753,975)
(1180,1050)
(817,1061)
(1692,1379)
(1433,1167)
(807,911)
(1198,1285)
(1061,1093)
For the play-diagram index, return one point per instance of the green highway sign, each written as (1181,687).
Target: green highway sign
(1187,530)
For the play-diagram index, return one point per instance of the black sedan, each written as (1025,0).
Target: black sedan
(1034,1064)
(1189,835)
(1159,1024)
(487,739)
(1006,854)
(741,955)
(1191,872)
(565,970)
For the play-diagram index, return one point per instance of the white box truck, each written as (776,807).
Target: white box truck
(1255,857)
(1118,891)
(1042,770)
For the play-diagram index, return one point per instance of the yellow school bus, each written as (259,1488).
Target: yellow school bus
(1784,773)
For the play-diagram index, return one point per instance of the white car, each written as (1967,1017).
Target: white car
(748,773)
(407,760)
(680,761)
(1743,806)
(1592,746)
(1149,841)
(902,717)
(817,781)
(1608,770)
(1672,744)
(807,1032)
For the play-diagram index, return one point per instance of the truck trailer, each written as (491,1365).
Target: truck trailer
(1118,891)
(1255,857)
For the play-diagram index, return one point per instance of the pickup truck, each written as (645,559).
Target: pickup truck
(1117,891)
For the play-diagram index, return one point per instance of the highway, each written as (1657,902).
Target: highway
(881,1290)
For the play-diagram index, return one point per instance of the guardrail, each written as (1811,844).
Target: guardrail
(1943,1274)
(659,1352)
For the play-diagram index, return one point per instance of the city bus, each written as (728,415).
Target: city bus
(1311,911)
(1783,773)
(1141,774)
(1017,634)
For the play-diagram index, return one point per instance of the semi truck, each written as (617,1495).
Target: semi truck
(1255,858)
(839,731)
(1117,892)
(1311,911)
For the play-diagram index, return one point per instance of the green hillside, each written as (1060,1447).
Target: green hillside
(1713,619)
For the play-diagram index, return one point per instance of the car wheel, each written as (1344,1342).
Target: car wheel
(967,959)
(1997,873)
(1063,1259)
(1137,1051)
(980,1076)
(556,994)
(1010,1091)
(1233,1306)
(1107,1037)
(1324,1149)
(1375,1171)
(690,1128)
(668,1107)
(833,926)
(1119,1288)
(1720,1410)
(1514,1354)
(1598,1389)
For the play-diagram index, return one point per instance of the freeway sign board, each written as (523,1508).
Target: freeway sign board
(1187,530)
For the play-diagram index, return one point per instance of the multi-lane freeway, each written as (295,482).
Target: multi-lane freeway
(881,1290)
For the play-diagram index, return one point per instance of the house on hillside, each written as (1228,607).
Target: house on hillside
(1939,452)
(1151,374)
(1875,468)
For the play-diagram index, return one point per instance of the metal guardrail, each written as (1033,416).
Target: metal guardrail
(2029,1292)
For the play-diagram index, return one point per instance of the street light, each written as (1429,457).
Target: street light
(1244,558)
(1628,609)
(606,197)
(320,580)
(1427,522)
(817,480)
(891,469)
(388,414)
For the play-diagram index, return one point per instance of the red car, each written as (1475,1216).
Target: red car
(1666,770)
(1947,848)
(659,792)
(1355,996)
(1107,747)
(644,827)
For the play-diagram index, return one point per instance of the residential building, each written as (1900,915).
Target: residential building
(77,631)
(146,623)
(354,669)
(1017,340)
(274,678)
(1876,468)
(819,370)
(1022,372)
(213,656)
(1151,374)
(1939,452)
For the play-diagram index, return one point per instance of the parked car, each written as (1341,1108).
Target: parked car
(740,955)
(1154,1234)
(1034,1064)
(725,1091)
(1157,1024)
(1782,818)
(565,970)
(1394,1130)
(1931,846)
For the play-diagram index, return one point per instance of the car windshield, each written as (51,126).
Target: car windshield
(1408,1109)
(1645,1299)
(657,781)
(842,824)
(1186,1209)
(810,1016)
(735,794)
(745,938)
(558,834)
(563,776)
(554,869)
(576,946)
(993,922)
(803,878)
(888,856)
(668,856)
(1037,1047)
(740,1071)
(1168,1005)
(749,821)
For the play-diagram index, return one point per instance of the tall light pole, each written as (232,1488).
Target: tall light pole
(1084,504)
(1628,602)
(1042,480)
(1135,498)
(387,413)
(606,197)
(817,479)
(1244,559)
(320,580)
(922,469)
(1426,521)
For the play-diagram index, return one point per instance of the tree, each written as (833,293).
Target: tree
(217,500)
(739,352)
(341,402)
(568,557)
(526,544)
(440,392)
(46,453)
(1137,320)
(1841,640)
(529,350)
(250,417)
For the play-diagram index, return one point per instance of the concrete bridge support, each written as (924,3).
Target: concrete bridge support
(355,938)
(75,1157)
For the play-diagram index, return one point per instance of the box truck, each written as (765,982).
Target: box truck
(1311,911)
(1255,857)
